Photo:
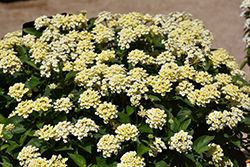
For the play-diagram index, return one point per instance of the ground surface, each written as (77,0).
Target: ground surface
(221,17)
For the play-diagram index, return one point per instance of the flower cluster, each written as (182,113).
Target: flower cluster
(108,144)
(181,142)
(17,91)
(156,118)
(1,129)
(217,153)
(130,159)
(157,147)
(9,127)
(219,120)
(106,111)
(63,104)
(126,132)
(81,129)
(30,157)
(89,98)
(24,108)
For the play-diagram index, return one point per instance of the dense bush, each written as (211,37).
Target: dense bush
(120,90)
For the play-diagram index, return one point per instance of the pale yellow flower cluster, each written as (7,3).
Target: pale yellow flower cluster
(105,56)
(108,144)
(181,142)
(9,127)
(106,111)
(221,57)
(157,147)
(219,120)
(217,153)
(1,130)
(83,127)
(186,38)
(24,108)
(17,91)
(156,118)
(89,98)
(52,86)
(126,132)
(29,157)
(63,129)
(138,56)
(130,159)
(63,104)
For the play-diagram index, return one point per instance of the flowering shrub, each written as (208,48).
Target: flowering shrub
(120,90)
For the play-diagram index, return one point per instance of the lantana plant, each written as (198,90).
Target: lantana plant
(120,90)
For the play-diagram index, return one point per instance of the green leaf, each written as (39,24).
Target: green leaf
(198,164)
(70,75)
(22,51)
(201,144)
(78,159)
(154,98)
(236,141)
(246,121)
(2,119)
(35,142)
(44,148)
(33,82)
(32,31)
(6,162)
(243,64)
(145,129)
(162,164)
(19,128)
(91,22)
(175,126)
(47,91)
(184,125)
(142,149)
(130,110)
(6,165)
(32,64)
(4,147)
(24,137)
(39,125)
(88,149)
(14,120)
(13,145)
(123,118)
(64,147)
(181,116)
(101,162)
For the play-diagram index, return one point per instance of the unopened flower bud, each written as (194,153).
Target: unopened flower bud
(171,121)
